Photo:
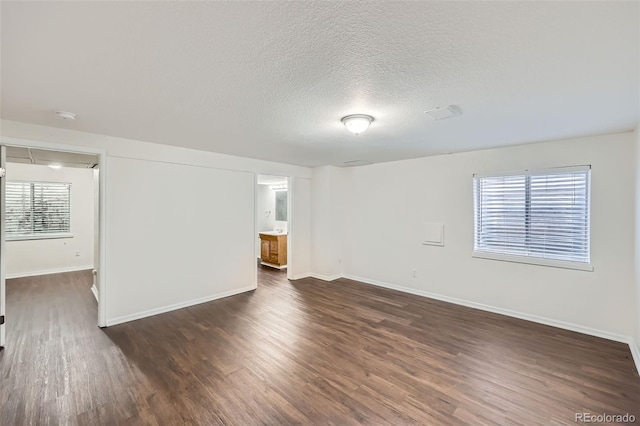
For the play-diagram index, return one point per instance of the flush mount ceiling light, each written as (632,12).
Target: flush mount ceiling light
(357,123)
(55,166)
(66,115)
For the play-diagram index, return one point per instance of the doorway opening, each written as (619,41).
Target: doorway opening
(272,224)
(51,238)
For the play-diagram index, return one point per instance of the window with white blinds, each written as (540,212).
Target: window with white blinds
(538,217)
(37,210)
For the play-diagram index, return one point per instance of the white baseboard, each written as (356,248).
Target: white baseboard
(273,265)
(96,293)
(528,317)
(300,276)
(635,353)
(325,277)
(48,272)
(318,276)
(175,306)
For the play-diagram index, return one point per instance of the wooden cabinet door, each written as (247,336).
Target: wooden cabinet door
(264,250)
(273,248)
(273,252)
(283,250)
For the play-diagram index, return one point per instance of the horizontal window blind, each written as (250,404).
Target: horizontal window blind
(538,214)
(37,209)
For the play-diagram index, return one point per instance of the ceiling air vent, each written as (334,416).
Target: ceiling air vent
(356,163)
(441,113)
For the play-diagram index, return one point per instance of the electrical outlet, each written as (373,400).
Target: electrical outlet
(414,273)
(77,252)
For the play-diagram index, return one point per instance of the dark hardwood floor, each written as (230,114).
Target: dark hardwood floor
(304,352)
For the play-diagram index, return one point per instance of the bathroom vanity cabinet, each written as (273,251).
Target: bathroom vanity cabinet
(273,249)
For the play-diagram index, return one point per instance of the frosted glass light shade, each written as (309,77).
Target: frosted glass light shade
(357,123)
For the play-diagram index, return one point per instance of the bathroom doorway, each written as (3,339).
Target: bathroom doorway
(272,223)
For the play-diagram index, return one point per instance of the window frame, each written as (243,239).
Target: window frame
(50,236)
(532,260)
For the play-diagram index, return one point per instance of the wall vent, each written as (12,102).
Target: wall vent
(356,163)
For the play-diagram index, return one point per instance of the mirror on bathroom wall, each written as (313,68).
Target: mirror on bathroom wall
(281,205)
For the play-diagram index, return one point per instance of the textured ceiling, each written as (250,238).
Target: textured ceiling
(271,80)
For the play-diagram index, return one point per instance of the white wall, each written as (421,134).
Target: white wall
(96,228)
(282,225)
(299,239)
(193,255)
(328,222)
(388,204)
(636,324)
(159,256)
(35,257)
(265,202)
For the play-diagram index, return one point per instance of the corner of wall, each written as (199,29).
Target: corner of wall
(327,225)
(634,346)
(95,292)
(635,342)
(300,228)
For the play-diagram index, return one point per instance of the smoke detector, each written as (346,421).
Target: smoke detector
(66,115)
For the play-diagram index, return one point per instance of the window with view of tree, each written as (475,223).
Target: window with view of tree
(542,216)
(37,210)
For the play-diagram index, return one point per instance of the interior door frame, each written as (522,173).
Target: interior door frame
(102,208)
(255,229)
(255,220)
(3,293)
(289,227)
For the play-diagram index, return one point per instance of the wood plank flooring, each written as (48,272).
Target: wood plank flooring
(303,352)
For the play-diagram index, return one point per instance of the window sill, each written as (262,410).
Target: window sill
(39,237)
(534,261)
